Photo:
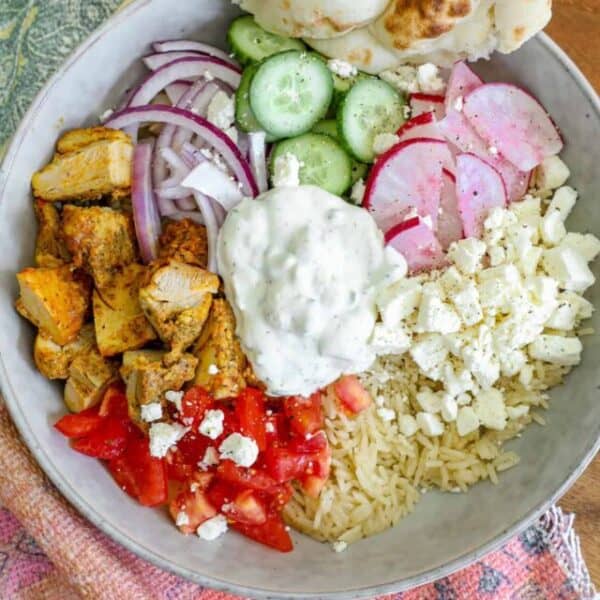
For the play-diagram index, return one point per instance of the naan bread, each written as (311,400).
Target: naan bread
(519,20)
(313,18)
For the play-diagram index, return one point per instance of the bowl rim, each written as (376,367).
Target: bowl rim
(88,511)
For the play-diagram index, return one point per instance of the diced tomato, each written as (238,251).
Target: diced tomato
(139,474)
(178,467)
(250,409)
(247,507)
(221,492)
(313,485)
(195,504)
(351,393)
(276,427)
(284,465)
(278,499)
(272,533)
(80,424)
(321,463)
(107,441)
(252,478)
(114,402)
(305,414)
(231,424)
(196,401)
(308,445)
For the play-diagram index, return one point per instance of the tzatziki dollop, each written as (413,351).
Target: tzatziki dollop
(301,268)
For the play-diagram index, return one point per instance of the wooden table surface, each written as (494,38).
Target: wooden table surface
(576,27)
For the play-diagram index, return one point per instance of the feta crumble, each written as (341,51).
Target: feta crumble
(163,436)
(212,424)
(358,192)
(240,449)
(210,459)
(175,398)
(151,412)
(286,171)
(221,110)
(213,369)
(339,546)
(213,528)
(342,69)
(182,519)
(429,80)
(386,414)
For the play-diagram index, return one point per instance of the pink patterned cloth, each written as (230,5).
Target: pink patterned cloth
(48,551)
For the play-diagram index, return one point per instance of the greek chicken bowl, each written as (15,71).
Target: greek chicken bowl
(298,299)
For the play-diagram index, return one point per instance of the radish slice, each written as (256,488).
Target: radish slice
(415,240)
(211,181)
(424,103)
(480,188)
(258,158)
(183,69)
(160,59)
(462,82)
(145,212)
(407,177)
(449,225)
(423,126)
(192,46)
(212,135)
(513,122)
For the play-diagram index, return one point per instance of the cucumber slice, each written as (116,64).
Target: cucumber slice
(324,162)
(251,43)
(370,107)
(244,116)
(290,92)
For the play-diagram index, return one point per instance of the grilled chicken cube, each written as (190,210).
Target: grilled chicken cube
(54,299)
(148,378)
(177,302)
(53,361)
(184,241)
(120,322)
(222,363)
(89,164)
(101,241)
(50,249)
(89,376)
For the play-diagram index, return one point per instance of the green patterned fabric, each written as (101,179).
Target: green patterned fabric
(36,36)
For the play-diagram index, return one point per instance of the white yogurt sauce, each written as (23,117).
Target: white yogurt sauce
(300,268)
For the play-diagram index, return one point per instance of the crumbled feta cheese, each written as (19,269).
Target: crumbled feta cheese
(516,412)
(526,376)
(490,409)
(175,398)
(384,141)
(479,358)
(498,286)
(566,313)
(208,75)
(339,546)
(151,412)
(182,519)
(553,228)
(342,69)
(493,150)
(386,414)
(456,383)
(466,421)
(429,80)
(467,255)
(107,114)
(242,450)
(221,111)
(429,401)
(459,104)
(464,399)
(435,316)
(213,528)
(358,192)
(552,173)
(212,424)
(449,408)
(163,436)
(270,428)
(587,244)
(569,268)
(563,201)
(404,79)
(429,353)
(497,255)
(210,459)
(398,301)
(466,302)
(557,350)
(511,362)
(430,424)
(408,425)
(390,340)
(452,281)
(212,369)
(286,171)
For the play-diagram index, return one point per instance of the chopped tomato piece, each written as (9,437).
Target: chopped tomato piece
(351,393)
(279,498)
(251,478)
(272,533)
(284,465)
(250,410)
(141,475)
(313,485)
(221,492)
(246,508)
(196,401)
(195,505)
(305,414)
(276,427)
(114,402)
(231,424)
(309,445)
(321,464)
(80,424)
(107,441)
(178,467)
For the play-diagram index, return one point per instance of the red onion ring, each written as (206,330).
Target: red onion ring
(192,46)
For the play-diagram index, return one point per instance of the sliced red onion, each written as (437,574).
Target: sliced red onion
(176,91)
(145,211)
(219,211)
(166,206)
(212,228)
(212,135)
(193,46)
(258,158)
(193,215)
(173,193)
(179,169)
(160,59)
(183,69)
(213,182)
(187,203)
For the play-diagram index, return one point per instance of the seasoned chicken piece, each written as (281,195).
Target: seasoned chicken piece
(177,301)
(53,361)
(148,378)
(184,241)
(118,317)
(89,376)
(221,360)
(56,300)
(50,249)
(101,241)
(93,163)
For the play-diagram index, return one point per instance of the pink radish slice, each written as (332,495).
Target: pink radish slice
(449,225)
(424,103)
(514,122)
(407,177)
(462,82)
(415,240)
(423,126)
(479,188)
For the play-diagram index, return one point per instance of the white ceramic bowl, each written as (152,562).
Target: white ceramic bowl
(447,531)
